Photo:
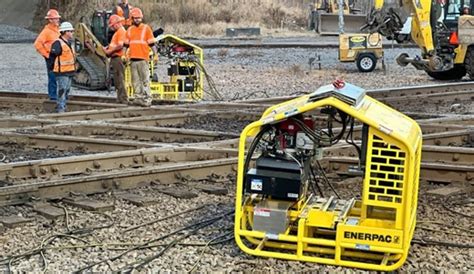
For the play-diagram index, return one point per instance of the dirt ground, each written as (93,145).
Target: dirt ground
(238,73)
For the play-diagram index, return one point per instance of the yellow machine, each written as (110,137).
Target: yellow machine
(363,48)
(184,71)
(444,31)
(278,212)
(93,65)
(324,17)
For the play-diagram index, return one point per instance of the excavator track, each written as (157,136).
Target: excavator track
(90,76)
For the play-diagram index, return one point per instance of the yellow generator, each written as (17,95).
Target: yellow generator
(363,48)
(183,77)
(279,213)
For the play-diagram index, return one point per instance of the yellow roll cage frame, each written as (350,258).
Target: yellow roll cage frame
(170,90)
(377,230)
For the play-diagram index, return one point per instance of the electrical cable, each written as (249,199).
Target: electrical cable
(139,264)
(425,241)
(350,138)
(253,146)
(216,95)
(165,218)
(326,179)
(151,241)
(316,182)
(205,247)
(48,240)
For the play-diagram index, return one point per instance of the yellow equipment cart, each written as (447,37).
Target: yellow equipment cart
(184,73)
(362,48)
(279,213)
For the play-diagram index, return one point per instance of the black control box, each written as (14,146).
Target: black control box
(278,178)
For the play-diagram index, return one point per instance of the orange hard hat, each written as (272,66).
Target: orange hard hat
(114,19)
(52,14)
(136,13)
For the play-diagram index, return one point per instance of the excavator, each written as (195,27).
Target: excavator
(324,17)
(442,29)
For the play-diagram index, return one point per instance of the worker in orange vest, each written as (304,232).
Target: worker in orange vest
(63,57)
(123,9)
(116,50)
(43,43)
(139,39)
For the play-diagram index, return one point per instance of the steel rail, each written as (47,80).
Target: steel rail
(71,143)
(181,118)
(112,113)
(396,92)
(434,172)
(430,153)
(116,180)
(136,133)
(34,106)
(87,164)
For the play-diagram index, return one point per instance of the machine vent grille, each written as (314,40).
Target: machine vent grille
(387,170)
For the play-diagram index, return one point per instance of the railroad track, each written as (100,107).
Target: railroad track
(431,92)
(134,146)
(123,152)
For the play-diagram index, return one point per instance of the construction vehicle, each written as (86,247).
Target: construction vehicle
(324,17)
(93,71)
(362,48)
(281,210)
(443,30)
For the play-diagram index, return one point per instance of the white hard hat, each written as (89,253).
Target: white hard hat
(65,26)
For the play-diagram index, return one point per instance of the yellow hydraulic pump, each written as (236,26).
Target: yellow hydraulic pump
(182,77)
(279,213)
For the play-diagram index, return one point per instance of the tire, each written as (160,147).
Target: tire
(455,73)
(366,62)
(469,62)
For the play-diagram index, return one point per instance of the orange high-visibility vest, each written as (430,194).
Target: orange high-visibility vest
(118,40)
(45,39)
(138,39)
(66,62)
(120,12)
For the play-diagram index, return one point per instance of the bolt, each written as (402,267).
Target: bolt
(54,169)
(147,159)
(456,157)
(96,164)
(135,160)
(43,170)
(105,185)
(33,172)
(336,166)
(437,142)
